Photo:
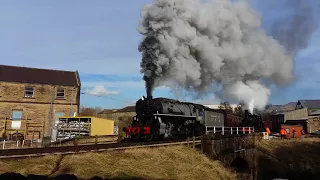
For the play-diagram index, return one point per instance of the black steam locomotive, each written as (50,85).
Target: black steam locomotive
(162,118)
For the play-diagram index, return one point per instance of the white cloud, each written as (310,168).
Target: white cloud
(100,90)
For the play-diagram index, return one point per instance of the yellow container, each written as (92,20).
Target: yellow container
(101,126)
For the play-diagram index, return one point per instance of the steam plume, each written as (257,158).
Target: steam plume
(295,28)
(197,45)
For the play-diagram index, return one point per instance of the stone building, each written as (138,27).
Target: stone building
(122,117)
(306,113)
(39,95)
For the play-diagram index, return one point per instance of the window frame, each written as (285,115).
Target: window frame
(288,130)
(64,93)
(15,110)
(28,90)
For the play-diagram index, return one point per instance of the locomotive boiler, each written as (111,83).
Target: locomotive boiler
(163,118)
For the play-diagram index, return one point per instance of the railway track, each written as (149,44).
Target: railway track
(64,150)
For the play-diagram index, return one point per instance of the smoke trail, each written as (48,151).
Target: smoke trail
(198,45)
(295,27)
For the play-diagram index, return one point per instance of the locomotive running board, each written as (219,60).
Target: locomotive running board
(175,115)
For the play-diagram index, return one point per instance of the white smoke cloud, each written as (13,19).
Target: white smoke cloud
(197,45)
(100,90)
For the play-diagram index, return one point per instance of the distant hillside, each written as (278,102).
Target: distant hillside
(282,108)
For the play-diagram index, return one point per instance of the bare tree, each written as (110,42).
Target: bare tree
(87,111)
(226,106)
(239,109)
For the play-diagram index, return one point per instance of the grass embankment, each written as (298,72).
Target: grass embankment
(290,158)
(156,163)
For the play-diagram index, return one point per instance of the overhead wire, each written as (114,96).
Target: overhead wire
(106,97)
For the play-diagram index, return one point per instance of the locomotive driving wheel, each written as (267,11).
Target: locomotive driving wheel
(148,138)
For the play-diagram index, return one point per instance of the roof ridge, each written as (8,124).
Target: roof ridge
(32,75)
(25,67)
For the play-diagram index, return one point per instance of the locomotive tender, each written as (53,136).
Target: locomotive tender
(162,118)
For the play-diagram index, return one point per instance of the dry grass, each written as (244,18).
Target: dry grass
(41,166)
(290,158)
(156,163)
(293,149)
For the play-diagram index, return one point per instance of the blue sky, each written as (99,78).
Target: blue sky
(100,39)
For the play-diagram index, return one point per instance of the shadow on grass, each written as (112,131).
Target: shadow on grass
(17,176)
(292,160)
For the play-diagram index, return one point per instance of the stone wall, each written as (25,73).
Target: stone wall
(121,119)
(228,148)
(313,124)
(216,146)
(37,108)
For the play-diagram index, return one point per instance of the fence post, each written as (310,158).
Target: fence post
(75,141)
(201,144)
(96,139)
(16,134)
(222,130)
(194,142)
(214,130)
(231,130)
(243,130)
(237,130)
(188,141)
(4,144)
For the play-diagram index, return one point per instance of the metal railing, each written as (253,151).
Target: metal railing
(228,130)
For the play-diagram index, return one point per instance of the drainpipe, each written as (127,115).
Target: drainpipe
(72,98)
(51,109)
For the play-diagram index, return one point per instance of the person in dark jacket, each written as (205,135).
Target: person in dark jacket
(302,133)
(293,133)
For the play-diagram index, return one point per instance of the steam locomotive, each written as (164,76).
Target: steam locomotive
(162,118)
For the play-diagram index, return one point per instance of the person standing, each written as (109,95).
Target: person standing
(283,133)
(293,133)
(302,133)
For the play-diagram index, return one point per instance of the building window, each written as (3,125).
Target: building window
(28,91)
(288,130)
(60,93)
(16,114)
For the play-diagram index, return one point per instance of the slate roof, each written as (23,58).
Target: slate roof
(39,76)
(312,104)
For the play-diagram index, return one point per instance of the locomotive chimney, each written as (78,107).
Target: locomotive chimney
(246,114)
(149,97)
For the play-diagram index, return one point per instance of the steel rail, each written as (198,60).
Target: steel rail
(64,150)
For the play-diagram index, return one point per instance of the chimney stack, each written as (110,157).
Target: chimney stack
(246,114)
